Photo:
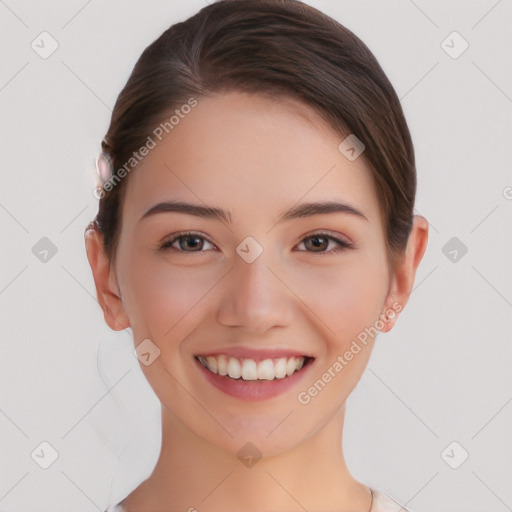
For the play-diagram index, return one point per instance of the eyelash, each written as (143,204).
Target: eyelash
(341,244)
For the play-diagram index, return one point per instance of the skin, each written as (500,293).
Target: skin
(256,158)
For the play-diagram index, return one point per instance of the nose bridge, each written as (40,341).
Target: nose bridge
(255,299)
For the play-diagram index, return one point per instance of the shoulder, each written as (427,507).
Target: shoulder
(383,503)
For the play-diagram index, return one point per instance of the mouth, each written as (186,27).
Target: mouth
(247,369)
(251,375)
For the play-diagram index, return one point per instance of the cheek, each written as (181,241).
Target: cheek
(347,298)
(161,298)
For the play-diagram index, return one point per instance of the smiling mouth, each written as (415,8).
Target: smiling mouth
(251,370)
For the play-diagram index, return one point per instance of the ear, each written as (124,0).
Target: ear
(402,276)
(107,289)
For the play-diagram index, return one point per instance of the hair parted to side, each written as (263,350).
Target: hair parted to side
(282,48)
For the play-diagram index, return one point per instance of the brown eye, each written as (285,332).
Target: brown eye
(317,243)
(193,242)
(320,242)
(187,242)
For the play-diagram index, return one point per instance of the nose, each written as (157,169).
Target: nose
(254,298)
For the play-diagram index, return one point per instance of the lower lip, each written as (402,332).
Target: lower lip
(252,390)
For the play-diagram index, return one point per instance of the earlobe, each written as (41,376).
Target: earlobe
(402,279)
(107,291)
(390,313)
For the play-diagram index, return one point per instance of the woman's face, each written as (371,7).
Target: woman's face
(263,281)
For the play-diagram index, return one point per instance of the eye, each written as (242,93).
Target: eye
(194,242)
(187,242)
(320,242)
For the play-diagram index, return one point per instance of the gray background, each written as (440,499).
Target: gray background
(441,375)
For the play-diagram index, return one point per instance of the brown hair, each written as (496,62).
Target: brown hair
(280,47)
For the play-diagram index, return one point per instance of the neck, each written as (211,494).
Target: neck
(193,475)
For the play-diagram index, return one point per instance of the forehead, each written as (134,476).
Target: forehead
(252,156)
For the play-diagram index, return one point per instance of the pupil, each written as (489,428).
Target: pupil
(192,241)
(319,242)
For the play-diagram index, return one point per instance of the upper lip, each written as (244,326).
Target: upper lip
(256,354)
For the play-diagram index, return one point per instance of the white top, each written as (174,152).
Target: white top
(381,503)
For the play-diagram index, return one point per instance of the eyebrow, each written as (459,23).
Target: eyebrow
(208,212)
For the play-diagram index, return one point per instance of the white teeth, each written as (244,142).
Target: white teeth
(249,369)
(266,370)
(291,366)
(212,363)
(234,368)
(280,368)
(222,365)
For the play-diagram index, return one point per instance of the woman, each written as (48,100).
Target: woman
(256,231)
